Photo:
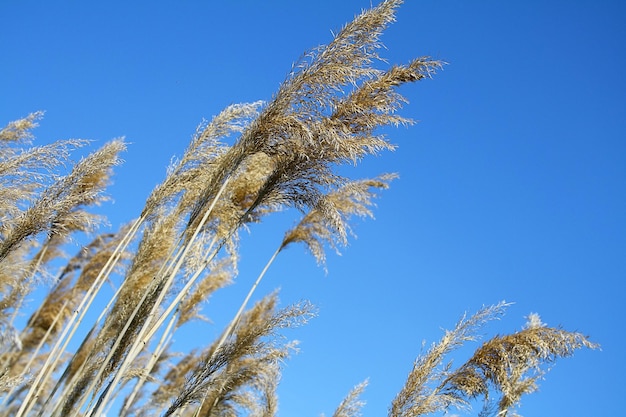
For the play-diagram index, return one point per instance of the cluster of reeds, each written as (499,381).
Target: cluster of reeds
(249,161)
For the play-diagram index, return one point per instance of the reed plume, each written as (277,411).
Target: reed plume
(60,204)
(59,209)
(300,129)
(221,275)
(25,172)
(246,360)
(317,229)
(20,130)
(88,261)
(509,365)
(352,404)
(51,316)
(186,175)
(512,364)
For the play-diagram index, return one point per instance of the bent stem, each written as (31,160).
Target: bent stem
(154,357)
(82,366)
(181,294)
(36,351)
(75,321)
(231,327)
(106,395)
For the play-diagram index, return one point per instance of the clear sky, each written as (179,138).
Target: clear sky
(512,186)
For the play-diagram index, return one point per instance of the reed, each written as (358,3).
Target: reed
(250,161)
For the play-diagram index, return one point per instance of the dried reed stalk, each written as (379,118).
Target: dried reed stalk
(81,187)
(300,163)
(248,359)
(353,198)
(49,319)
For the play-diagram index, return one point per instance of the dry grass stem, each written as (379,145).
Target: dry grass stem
(246,360)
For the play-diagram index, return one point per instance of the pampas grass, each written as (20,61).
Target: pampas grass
(250,161)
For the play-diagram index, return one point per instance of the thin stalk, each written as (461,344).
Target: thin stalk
(82,366)
(162,271)
(105,396)
(30,279)
(5,362)
(235,320)
(181,294)
(75,321)
(36,351)
(158,351)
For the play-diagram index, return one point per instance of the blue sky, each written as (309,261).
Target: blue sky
(512,185)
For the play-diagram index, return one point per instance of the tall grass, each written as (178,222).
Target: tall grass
(250,161)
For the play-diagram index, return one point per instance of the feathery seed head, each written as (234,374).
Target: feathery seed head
(202,154)
(19,130)
(328,221)
(533,321)
(352,404)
